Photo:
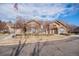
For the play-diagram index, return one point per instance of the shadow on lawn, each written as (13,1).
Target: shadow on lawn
(37,49)
(16,51)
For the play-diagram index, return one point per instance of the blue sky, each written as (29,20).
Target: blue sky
(68,12)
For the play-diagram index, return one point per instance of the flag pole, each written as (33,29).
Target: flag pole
(16,12)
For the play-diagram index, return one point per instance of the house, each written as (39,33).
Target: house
(33,26)
(58,27)
(75,30)
(47,27)
(40,27)
(3,27)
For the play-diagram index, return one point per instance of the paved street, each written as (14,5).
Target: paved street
(66,47)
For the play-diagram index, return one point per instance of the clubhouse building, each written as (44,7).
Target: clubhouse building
(37,27)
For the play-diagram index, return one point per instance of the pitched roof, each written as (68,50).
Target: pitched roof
(37,21)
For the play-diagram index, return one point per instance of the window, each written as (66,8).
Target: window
(61,30)
(33,30)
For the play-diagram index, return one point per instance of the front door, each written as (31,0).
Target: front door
(55,31)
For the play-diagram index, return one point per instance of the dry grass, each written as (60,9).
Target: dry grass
(32,39)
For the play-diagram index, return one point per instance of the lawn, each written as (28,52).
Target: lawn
(32,39)
(3,36)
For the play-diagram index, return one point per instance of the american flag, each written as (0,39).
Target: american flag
(16,6)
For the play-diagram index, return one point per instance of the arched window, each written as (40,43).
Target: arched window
(33,30)
(61,30)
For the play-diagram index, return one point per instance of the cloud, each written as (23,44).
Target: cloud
(42,11)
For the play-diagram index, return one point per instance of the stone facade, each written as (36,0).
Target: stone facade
(54,27)
(44,27)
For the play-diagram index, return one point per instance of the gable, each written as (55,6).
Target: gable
(34,24)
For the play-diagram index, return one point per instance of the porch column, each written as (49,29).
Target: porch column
(50,31)
(53,31)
